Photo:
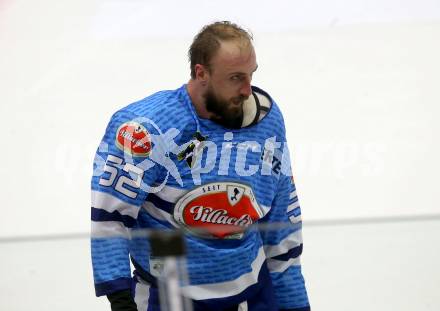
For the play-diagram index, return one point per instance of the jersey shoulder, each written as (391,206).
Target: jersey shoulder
(166,109)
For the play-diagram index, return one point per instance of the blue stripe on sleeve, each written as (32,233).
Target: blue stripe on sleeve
(295,212)
(159,203)
(103,215)
(109,287)
(293,200)
(292,253)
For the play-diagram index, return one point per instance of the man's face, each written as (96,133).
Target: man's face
(229,83)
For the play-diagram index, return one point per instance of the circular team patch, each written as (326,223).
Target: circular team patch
(134,139)
(218,210)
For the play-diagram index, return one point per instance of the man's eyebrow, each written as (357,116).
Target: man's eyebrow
(242,73)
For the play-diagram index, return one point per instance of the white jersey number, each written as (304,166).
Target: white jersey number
(111,167)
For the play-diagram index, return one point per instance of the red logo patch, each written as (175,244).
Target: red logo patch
(134,139)
(218,210)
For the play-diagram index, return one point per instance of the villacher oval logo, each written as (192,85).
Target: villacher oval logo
(218,210)
(134,139)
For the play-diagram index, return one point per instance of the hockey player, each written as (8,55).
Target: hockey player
(208,158)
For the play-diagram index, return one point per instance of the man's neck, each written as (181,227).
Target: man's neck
(195,93)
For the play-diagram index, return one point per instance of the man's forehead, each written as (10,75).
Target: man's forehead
(234,53)
(235,48)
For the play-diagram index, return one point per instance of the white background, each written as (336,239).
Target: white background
(358,82)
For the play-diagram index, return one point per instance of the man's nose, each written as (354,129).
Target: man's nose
(246,89)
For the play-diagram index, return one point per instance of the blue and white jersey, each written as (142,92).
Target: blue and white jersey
(160,166)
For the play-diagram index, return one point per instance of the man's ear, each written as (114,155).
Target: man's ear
(202,74)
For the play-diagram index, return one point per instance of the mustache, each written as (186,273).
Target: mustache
(240,98)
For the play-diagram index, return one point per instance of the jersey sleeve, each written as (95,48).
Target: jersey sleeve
(283,246)
(122,173)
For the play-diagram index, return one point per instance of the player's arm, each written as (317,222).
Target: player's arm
(117,194)
(283,247)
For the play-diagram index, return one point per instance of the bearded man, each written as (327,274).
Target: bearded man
(209,159)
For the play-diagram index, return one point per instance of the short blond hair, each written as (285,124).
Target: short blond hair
(207,42)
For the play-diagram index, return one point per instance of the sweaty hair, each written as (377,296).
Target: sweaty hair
(207,42)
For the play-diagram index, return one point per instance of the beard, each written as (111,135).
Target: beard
(226,113)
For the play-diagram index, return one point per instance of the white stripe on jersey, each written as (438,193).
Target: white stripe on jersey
(141,295)
(265,209)
(228,288)
(292,206)
(243,306)
(292,195)
(281,265)
(110,203)
(291,241)
(109,229)
(158,213)
(171,194)
(295,219)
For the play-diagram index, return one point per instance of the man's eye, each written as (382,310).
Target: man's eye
(235,78)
